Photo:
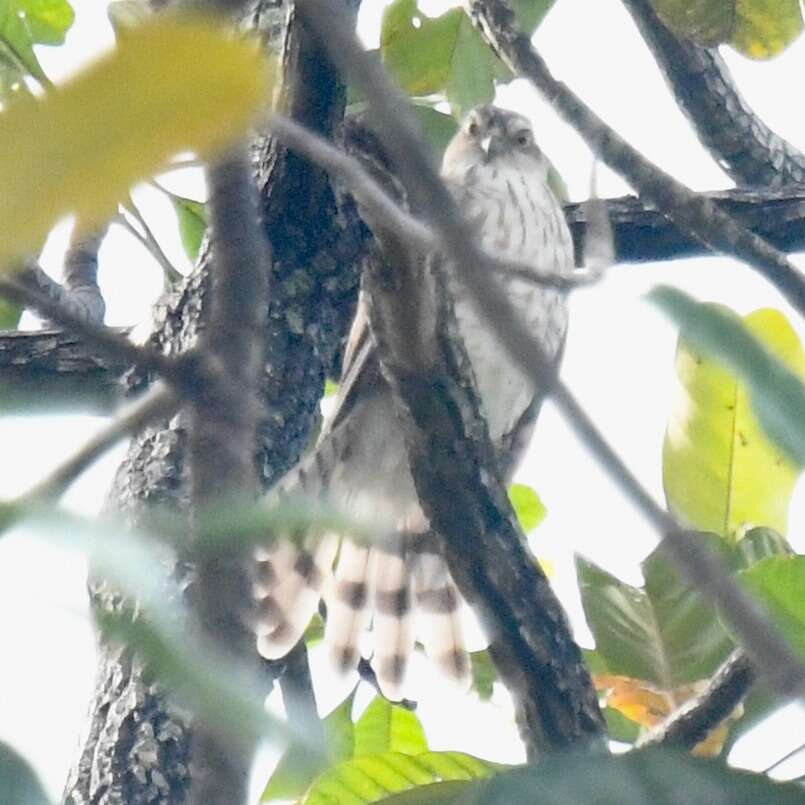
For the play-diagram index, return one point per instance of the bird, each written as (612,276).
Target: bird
(498,177)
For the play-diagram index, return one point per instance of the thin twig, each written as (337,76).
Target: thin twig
(157,403)
(106,341)
(151,243)
(409,150)
(786,757)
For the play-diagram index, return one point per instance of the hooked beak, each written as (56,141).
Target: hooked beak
(490,145)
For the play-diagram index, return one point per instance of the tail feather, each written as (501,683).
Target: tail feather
(347,600)
(393,619)
(440,602)
(287,586)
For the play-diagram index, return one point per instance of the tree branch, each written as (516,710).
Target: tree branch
(693,722)
(695,215)
(223,428)
(138,745)
(643,234)
(159,402)
(51,369)
(745,147)
(80,294)
(109,343)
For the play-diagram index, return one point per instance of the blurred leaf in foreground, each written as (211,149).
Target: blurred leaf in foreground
(78,150)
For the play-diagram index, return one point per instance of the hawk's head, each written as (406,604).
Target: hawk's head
(493,136)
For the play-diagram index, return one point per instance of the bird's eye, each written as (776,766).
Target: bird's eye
(523,138)
(472,129)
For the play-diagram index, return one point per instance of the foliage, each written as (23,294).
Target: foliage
(734,445)
(445,54)
(384,752)
(112,125)
(721,472)
(661,777)
(529,509)
(192,219)
(757,28)
(23,24)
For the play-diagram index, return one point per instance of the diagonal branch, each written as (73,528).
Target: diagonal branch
(692,723)
(157,403)
(745,147)
(693,214)
(109,343)
(396,124)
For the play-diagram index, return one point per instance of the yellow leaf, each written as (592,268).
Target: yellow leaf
(720,471)
(637,700)
(168,87)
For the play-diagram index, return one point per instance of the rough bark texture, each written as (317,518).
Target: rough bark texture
(51,369)
(644,234)
(745,147)
(694,721)
(137,748)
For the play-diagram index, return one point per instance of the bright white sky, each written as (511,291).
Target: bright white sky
(619,360)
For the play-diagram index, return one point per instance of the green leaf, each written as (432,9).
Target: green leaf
(9,315)
(530,13)
(484,674)
(370,778)
(779,582)
(619,727)
(340,731)
(720,471)
(298,767)
(757,28)
(663,633)
(776,393)
(764,28)
(473,69)
(656,776)
(386,727)
(446,54)
(19,784)
(121,120)
(529,509)
(46,20)
(761,543)
(24,23)
(192,218)
(439,127)
(417,49)
(453,792)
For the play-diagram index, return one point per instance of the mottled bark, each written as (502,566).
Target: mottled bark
(745,147)
(137,748)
